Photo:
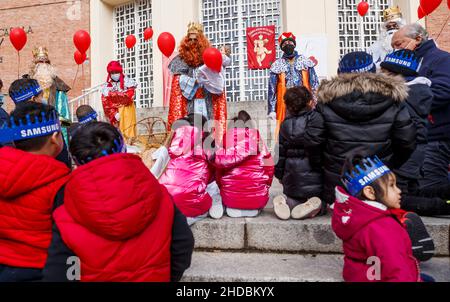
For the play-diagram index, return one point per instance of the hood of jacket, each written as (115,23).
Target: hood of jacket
(115,197)
(362,97)
(22,172)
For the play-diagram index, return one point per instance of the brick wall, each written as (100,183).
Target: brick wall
(50,23)
(439,23)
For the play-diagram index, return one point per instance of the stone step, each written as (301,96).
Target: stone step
(256,267)
(268,234)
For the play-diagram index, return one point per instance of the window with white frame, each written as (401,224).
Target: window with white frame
(134,18)
(225,23)
(351,37)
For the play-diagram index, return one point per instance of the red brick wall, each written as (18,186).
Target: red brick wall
(439,22)
(53,24)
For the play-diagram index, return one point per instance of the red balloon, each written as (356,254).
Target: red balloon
(148,34)
(420,12)
(213,59)
(166,43)
(130,41)
(429,6)
(18,38)
(363,8)
(82,41)
(79,57)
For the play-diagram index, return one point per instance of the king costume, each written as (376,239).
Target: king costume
(292,70)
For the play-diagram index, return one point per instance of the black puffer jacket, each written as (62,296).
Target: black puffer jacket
(419,104)
(295,168)
(362,113)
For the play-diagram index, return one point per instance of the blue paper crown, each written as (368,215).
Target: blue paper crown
(119,147)
(25,93)
(88,118)
(372,170)
(404,59)
(30,129)
(357,63)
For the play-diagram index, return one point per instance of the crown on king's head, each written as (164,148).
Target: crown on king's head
(40,54)
(28,128)
(364,175)
(195,28)
(392,13)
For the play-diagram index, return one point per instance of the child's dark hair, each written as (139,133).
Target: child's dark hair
(92,140)
(242,120)
(19,84)
(1,84)
(297,99)
(34,110)
(83,111)
(378,185)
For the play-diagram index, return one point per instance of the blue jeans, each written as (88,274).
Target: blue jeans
(437,159)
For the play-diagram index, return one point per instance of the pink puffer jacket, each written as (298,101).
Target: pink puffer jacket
(244,170)
(188,173)
(369,230)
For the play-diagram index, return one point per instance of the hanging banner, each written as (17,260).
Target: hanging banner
(261,47)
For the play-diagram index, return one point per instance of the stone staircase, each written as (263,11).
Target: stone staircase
(265,249)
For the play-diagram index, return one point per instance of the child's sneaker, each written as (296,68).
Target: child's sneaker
(422,243)
(216,211)
(309,209)
(236,213)
(281,208)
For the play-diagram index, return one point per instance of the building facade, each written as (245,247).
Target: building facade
(324,28)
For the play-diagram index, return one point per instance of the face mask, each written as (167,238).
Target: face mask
(392,31)
(115,77)
(289,49)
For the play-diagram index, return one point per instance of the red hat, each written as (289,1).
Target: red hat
(115,67)
(288,36)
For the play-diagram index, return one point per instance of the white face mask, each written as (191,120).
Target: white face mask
(115,77)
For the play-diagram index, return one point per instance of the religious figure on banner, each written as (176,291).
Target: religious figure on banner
(195,87)
(393,21)
(261,50)
(118,96)
(54,89)
(292,70)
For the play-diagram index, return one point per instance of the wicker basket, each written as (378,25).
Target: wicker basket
(150,139)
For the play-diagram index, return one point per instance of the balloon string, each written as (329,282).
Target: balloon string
(443,27)
(76,75)
(18,65)
(82,75)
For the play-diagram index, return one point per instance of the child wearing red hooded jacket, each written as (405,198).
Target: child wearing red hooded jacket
(117,223)
(377,247)
(30,181)
(189,171)
(244,170)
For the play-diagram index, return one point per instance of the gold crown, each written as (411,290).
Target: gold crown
(195,28)
(392,13)
(40,53)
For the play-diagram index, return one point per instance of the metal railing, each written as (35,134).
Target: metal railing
(92,97)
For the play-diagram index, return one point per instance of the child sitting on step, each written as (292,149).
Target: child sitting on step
(244,170)
(299,172)
(189,172)
(377,247)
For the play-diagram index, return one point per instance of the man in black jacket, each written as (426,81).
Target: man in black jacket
(436,67)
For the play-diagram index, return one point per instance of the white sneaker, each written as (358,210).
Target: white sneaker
(217,210)
(236,213)
(309,209)
(193,220)
(281,208)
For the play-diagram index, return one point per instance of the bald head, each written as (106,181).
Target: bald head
(409,37)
